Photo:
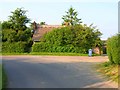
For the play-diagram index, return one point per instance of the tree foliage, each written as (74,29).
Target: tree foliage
(5,25)
(71,17)
(18,19)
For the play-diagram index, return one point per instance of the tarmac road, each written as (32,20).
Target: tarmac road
(54,72)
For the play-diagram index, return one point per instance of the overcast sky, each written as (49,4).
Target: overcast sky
(103,13)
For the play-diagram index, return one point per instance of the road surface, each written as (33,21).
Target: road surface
(54,72)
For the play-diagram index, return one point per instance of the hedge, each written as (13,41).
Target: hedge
(43,47)
(113,49)
(16,47)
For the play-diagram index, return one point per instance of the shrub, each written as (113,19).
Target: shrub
(113,49)
(15,47)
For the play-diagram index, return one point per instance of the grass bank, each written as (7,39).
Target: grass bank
(109,70)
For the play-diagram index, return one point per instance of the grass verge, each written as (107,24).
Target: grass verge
(0,76)
(57,54)
(3,77)
(49,54)
(5,54)
(109,70)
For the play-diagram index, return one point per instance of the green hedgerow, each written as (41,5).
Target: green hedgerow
(113,49)
(14,47)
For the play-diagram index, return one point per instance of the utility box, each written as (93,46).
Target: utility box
(90,52)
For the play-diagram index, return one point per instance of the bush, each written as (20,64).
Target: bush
(15,47)
(113,49)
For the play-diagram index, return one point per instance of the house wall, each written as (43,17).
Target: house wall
(96,50)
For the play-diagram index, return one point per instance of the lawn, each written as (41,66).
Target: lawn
(109,70)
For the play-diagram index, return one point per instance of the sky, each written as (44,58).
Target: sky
(102,13)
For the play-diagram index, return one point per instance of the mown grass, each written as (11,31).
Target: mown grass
(49,54)
(109,70)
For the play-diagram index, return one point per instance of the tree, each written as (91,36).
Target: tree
(16,36)
(15,29)
(42,23)
(71,17)
(18,19)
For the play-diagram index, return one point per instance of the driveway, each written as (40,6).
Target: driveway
(54,72)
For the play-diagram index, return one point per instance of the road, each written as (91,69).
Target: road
(54,72)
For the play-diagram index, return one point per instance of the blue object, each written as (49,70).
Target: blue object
(90,52)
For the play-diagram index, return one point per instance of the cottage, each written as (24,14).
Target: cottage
(40,30)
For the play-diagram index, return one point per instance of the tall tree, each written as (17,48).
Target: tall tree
(18,19)
(71,17)
(15,28)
